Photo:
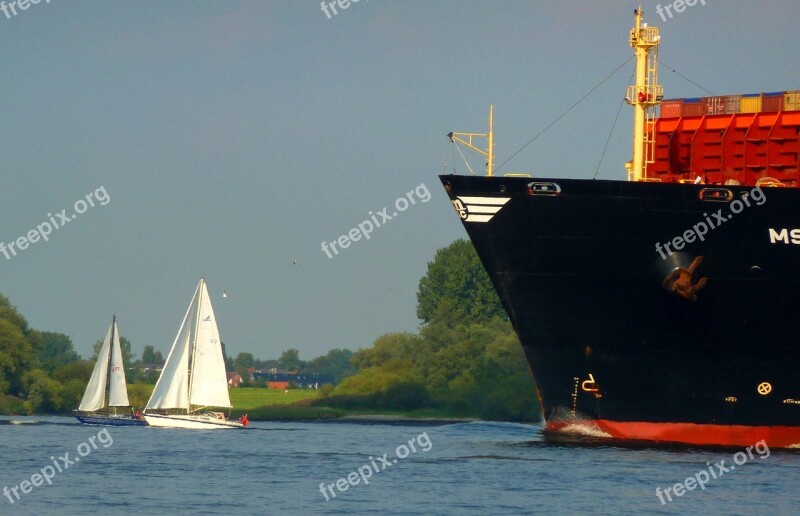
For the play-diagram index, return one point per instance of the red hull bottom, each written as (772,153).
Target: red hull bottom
(686,433)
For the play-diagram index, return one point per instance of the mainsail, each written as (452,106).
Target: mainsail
(197,346)
(107,373)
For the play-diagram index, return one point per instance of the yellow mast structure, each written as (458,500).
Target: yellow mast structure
(644,96)
(489,152)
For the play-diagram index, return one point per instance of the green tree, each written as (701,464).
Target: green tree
(380,378)
(43,393)
(266,365)
(241,364)
(244,361)
(80,371)
(457,283)
(57,350)
(152,356)
(290,360)
(15,356)
(336,363)
(497,385)
(149,355)
(466,357)
(72,394)
(19,348)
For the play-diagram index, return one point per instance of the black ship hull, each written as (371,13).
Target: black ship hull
(587,271)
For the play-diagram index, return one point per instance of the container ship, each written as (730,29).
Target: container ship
(661,307)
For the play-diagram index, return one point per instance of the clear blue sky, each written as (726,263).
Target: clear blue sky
(234,137)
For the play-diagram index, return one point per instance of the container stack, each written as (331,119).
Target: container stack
(791,101)
(772,102)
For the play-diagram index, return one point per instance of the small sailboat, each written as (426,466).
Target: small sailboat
(193,379)
(107,388)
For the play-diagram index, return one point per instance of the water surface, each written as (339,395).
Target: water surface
(277,468)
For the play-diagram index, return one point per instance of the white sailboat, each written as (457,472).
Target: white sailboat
(107,387)
(193,378)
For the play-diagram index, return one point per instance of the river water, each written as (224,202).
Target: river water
(463,468)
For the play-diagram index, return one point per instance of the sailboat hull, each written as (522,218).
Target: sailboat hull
(110,420)
(191,421)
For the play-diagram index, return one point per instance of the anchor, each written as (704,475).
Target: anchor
(681,281)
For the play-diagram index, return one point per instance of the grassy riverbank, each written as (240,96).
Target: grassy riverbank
(262,404)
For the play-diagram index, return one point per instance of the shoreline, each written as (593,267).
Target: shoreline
(366,419)
(397,419)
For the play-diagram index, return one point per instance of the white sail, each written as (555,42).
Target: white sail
(95,393)
(118,390)
(209,386)
(172,388)
(194,375)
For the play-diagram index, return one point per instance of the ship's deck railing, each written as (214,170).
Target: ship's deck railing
(646,35)
(650,94)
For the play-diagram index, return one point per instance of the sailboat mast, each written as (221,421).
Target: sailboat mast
(107,399)
(192,357)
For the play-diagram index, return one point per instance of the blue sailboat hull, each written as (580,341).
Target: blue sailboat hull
(110,420)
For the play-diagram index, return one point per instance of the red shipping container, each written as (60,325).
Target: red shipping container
(772,103)
(695,109)
(671,108)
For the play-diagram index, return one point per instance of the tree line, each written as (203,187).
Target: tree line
(40,371)
(465,360)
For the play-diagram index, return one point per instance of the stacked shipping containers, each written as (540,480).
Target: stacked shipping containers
(731,104)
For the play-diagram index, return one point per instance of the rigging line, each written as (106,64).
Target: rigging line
(444,167)
(562,115)
(684,77)
(613,126)
(465,160)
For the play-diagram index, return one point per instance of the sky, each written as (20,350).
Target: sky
(228,140)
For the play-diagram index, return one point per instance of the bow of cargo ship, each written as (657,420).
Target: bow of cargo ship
(660,308)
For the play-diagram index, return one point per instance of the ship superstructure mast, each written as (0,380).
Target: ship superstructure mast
(644,96)
(489,152)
